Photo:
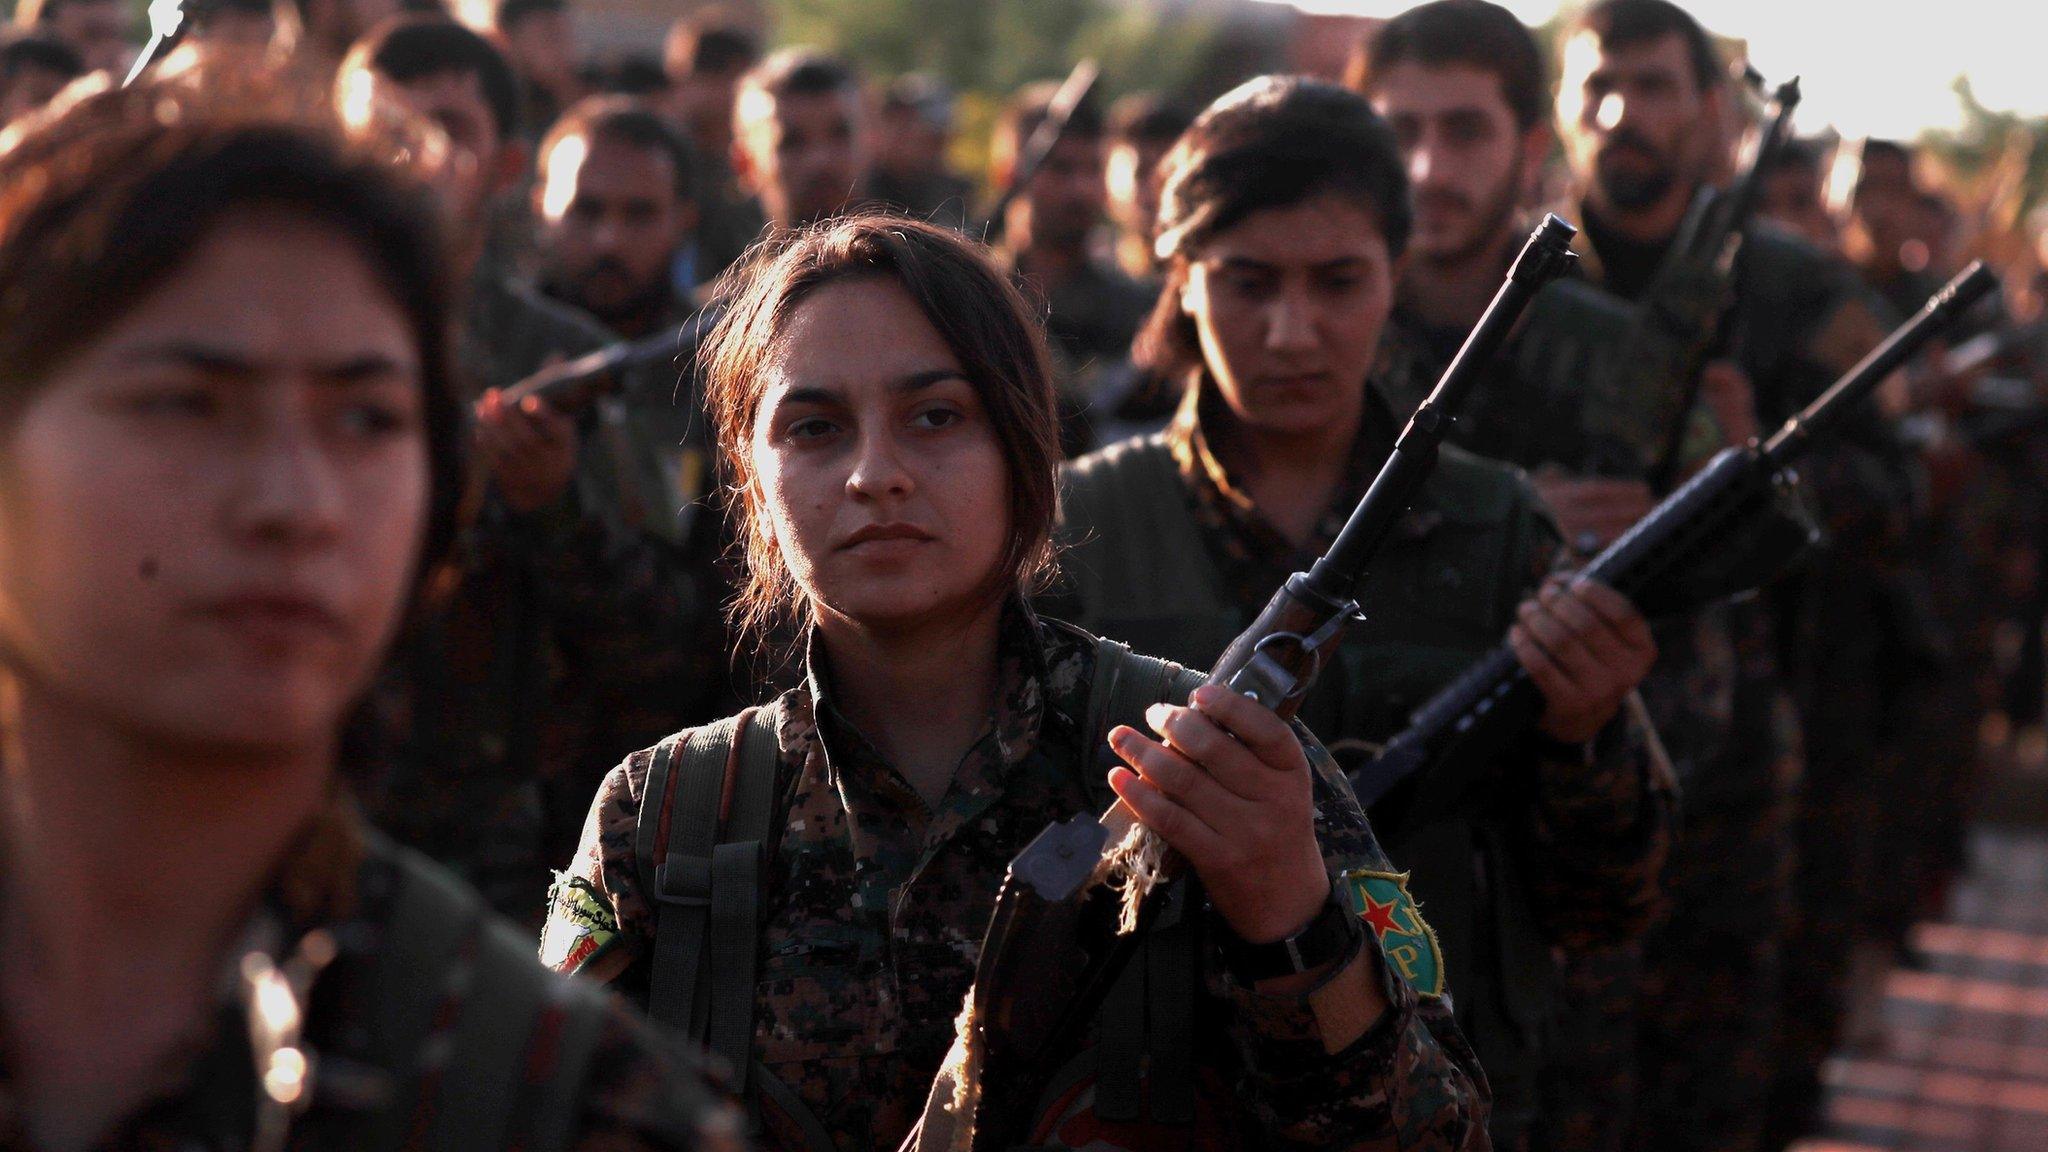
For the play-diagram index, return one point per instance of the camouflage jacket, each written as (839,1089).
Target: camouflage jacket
(639,1092)
(1563,851)
(1476,544)
(559,646)
(876,907)
(1799,319)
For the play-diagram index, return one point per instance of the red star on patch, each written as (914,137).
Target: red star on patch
(1381,916)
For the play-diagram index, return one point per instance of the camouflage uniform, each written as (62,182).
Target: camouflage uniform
(553,652)
(1564,853)
(1718,696)
(638,1093)
(877,903)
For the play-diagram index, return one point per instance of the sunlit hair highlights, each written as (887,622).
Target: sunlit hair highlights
(984,322)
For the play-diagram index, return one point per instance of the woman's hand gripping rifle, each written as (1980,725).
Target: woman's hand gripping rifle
(1070,909)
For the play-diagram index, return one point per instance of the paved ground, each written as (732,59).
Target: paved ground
(1962,1065)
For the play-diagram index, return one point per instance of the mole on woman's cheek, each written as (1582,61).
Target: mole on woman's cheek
(148,568)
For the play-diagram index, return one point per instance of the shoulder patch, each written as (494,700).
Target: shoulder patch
(581,925)
(1381,899)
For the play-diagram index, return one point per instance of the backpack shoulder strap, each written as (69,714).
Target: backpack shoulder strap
(738,892)
(715,808)
(684,821)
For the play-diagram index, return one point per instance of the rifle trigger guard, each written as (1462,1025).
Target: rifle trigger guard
(1266,678)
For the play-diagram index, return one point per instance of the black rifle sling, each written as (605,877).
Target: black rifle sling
(1145,1025)
(436,928)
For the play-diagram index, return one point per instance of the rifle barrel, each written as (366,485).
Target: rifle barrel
(1044,138)
(1543,258)
(1941,310)
(558,381)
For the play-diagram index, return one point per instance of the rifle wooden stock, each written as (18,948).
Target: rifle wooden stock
(1061,931)
(1495,695)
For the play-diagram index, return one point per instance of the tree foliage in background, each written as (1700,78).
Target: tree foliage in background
(987,49)
(1998,158)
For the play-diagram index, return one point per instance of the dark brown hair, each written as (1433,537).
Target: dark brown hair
(1273,142)
(1478,33)
(103,197)
(1621,24)
(408,48)
(629,121)
(975,309)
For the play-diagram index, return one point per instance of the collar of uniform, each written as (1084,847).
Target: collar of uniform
(1202,412)
(1020,694)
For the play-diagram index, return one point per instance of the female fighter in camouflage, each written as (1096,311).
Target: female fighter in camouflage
(881,394)
(229,450)
(1283,222)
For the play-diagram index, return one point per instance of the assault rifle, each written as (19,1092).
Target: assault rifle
(1494,699)
(1639,363)
(574,384)
(1059,112)
(1067,916)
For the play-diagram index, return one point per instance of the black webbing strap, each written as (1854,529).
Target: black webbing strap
(1172,980)
(493,1034)
(694,787)
(1143,1031)
(433,918)
(1120,1045)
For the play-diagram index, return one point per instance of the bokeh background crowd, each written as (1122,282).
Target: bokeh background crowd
(605,160)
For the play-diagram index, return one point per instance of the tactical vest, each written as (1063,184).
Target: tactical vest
(1439,595)
(714,796)
(481,1092)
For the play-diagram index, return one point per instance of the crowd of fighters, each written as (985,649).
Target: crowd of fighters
(669,500)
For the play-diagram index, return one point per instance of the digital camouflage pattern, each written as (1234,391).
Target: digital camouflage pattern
(559,647)
(640,1094)
(877,904)
(1572,846)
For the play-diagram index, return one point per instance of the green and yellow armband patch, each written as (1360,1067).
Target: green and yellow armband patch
(580,927)
(1381,899)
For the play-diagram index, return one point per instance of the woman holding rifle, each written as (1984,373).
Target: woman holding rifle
(806,886)
(1281,230)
